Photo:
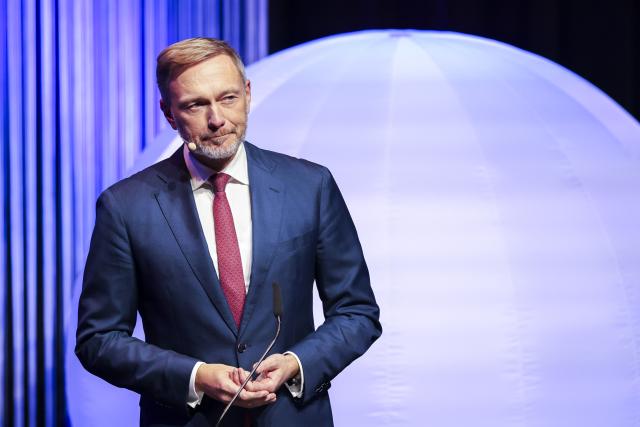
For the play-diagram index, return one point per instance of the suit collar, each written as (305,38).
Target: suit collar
(201,173)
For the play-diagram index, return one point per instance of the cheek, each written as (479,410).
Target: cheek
(190,125)
(238,117)
(182,128)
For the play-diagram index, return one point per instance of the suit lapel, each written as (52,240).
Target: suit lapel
(178,207)
(267,197)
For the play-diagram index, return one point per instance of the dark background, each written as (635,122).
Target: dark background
(599,40)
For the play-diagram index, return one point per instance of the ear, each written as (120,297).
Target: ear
(247,91)
(166,110)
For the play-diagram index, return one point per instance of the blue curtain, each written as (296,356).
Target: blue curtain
(79,104)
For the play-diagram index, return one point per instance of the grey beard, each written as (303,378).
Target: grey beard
(217,153)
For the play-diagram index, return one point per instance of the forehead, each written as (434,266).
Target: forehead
(217,72)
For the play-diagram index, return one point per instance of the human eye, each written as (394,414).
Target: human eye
(229,99)
(193,107)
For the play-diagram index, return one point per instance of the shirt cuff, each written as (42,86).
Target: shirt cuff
(195,396)
(296,384)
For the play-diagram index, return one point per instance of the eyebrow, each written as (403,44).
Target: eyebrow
(221,94)
(191,100)
(230,90)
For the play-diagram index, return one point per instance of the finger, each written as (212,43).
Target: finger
(252,403)
(243,374)
(235,377)
(223,395)
(239,378)
(249,396)
(268,361)
(231,385)
(270,384)
(226,391)
(269,364)
(254,386)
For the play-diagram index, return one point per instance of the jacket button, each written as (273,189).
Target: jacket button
(242,347)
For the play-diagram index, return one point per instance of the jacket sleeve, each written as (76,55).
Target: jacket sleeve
(351,314)
(107,316)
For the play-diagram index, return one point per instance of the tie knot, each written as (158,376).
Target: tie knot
(220,181)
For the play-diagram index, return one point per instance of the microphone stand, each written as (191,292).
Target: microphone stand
(277,312)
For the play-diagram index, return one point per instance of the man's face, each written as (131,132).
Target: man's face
(209,106)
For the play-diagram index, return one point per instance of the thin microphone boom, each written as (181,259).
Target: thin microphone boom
(277,312)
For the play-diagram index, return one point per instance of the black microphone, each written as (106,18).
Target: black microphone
(277,312)
(277,301)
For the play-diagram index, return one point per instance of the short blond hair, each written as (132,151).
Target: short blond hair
(179,56)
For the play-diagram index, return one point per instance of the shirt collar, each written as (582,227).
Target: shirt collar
(200,173)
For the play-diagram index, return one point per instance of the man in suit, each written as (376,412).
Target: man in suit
(193,243)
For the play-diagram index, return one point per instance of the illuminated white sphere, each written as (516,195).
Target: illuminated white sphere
(497,197)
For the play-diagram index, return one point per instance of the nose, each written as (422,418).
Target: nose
(215,120)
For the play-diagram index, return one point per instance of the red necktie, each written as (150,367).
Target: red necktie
(229,261)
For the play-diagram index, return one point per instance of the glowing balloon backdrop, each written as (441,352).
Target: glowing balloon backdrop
(497,196)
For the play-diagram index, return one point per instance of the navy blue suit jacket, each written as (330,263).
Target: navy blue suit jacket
(148,253)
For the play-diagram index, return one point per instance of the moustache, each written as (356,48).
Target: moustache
(216,135)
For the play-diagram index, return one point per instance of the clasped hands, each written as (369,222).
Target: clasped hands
(221,382)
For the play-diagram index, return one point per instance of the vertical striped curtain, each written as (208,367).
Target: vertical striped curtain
(79,104)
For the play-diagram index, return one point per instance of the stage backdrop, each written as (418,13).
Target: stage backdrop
(497,198)
(78,104)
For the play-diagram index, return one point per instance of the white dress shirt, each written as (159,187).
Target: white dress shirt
(239,197)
